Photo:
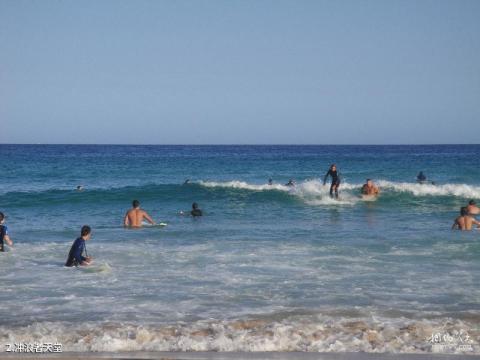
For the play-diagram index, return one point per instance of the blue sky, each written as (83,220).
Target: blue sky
(243,72)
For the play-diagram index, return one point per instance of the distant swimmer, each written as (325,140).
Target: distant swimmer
(333,173)
(195,210)
(370,188)
(422,179)
(472,208)
(187,181)
(79,188)
(270,182)
(135,216)
(290,183)
(464,221)
(75,256)
(4,237)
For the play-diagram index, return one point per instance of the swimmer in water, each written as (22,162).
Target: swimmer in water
(79,188)
(464,221)
(333,173)
(472,208)
(290,183)
(186,182)
(75,256)
(4,237)
(270,182)
(135,216)
(421,178)
(370,188)
(195,210)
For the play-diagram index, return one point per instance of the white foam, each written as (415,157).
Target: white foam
(315,193)
(313,333)
(235,184)
(458,190)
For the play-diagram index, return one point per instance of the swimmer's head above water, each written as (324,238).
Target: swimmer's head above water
(136,204)
(195,210)
(86,232)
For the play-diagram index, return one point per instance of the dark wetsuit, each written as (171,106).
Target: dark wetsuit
(3,232)
(196,212)
(75,256)
(335,181)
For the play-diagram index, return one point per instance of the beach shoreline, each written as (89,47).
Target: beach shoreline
(239,355)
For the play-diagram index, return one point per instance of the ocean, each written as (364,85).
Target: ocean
(267,268)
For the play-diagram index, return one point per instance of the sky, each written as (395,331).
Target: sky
(240,72)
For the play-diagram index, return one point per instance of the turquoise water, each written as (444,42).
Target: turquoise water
(266,268)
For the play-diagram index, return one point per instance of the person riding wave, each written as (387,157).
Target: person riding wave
(333,173)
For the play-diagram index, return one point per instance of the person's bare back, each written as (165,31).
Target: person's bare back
(465,221)
(135,216)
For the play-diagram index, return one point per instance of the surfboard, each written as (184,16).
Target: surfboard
(369,197)
(96,268)
(162,224)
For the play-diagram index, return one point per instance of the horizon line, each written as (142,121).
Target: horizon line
(234,144)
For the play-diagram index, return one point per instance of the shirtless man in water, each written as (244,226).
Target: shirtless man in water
(464,221)
(473,208)
(135,216)
(370,188)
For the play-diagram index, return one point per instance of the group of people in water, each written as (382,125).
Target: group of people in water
(78,256)
(369,188)
(135,217)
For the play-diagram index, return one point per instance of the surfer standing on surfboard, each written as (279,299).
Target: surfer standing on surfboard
(134,216)
(333,173)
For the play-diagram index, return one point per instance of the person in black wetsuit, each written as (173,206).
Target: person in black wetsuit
(421,178)
(4,237)
(75,256)
(195,210)
(333,173)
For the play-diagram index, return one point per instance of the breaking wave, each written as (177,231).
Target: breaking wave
(314,333)
(313,192)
